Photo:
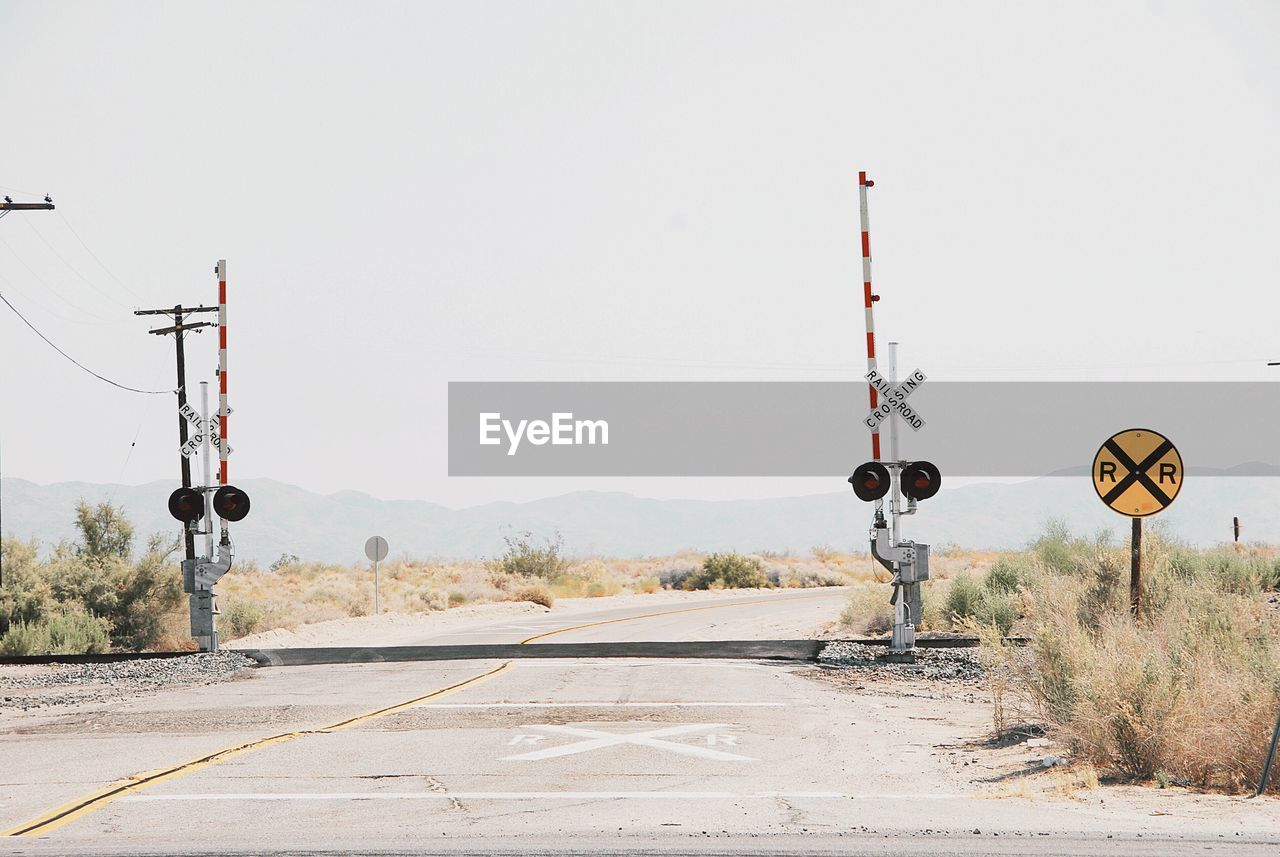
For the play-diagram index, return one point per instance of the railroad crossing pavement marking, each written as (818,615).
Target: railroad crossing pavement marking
(128,787)
(597,740)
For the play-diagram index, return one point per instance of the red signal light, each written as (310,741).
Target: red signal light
(187,505)
(921,480)
(870,481)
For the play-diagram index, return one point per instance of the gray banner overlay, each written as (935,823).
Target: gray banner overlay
(816,428)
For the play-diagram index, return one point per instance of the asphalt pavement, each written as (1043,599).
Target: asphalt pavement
(560,756)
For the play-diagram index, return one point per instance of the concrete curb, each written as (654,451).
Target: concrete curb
(766,650)
(772,650)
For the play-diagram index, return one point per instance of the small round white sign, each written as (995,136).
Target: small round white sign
(376,548)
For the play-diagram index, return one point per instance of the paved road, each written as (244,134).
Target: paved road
(756,616)
(558,756)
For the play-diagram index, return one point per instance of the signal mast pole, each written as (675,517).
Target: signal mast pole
(907,561)
(223,414)
(5,207)
(869,299)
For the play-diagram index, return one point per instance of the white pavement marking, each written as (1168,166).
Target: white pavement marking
(604,705)
(597,740)
(300,796)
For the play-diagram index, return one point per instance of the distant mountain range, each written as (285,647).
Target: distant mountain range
(333,527)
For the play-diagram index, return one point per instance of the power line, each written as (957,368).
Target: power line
(75,361)
(73,268)
(57,294)
(101,264)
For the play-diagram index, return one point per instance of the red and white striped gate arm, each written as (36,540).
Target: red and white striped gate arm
(223,416)
(869,299)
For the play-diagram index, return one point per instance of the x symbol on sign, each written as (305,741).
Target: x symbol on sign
(597,740)
(1137,472)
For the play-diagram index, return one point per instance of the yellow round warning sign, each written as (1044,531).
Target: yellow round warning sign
(1137,472)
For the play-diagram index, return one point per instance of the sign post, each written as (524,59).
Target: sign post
(1137,472)
(907,561)
(376,549)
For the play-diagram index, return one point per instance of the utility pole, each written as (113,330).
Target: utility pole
(5,207)
(178,329)
(9,205)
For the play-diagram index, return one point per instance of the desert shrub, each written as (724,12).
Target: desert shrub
(728,571)
(647,585)
(502,581)
(538,593)
(95,576)
(1008,574)
(963,597)
(430,598)
(285,560)
(809,578)
(104,531)
(675,577)
(933,606)
(241,618)
(569,586)
(524,558)
(592,578)
(147,590)
(1187,691)
(996,610)
(25,593)
(868,611)
(59,633)
(456,598)
(967,600)
(824,553)
(1058,552)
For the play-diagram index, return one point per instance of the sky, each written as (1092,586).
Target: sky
(410,194)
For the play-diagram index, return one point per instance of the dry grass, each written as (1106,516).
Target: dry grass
(1188,692)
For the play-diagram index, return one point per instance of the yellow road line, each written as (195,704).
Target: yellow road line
(764,600)
(56,818)
(85,805)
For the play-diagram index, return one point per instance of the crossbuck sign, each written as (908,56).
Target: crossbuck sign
(192,446)
(893,400)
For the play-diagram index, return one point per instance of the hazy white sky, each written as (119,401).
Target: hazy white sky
(413,193)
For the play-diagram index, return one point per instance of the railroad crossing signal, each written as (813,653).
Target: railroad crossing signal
(893,398)
(870,481)
(920,480)
(193,444)
(230,503)
(1137,472)
(187,505)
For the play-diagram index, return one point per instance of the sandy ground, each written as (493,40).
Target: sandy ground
(953,718)
(393,629)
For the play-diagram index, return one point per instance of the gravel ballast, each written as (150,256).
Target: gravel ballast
(27,687)
(955,665)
